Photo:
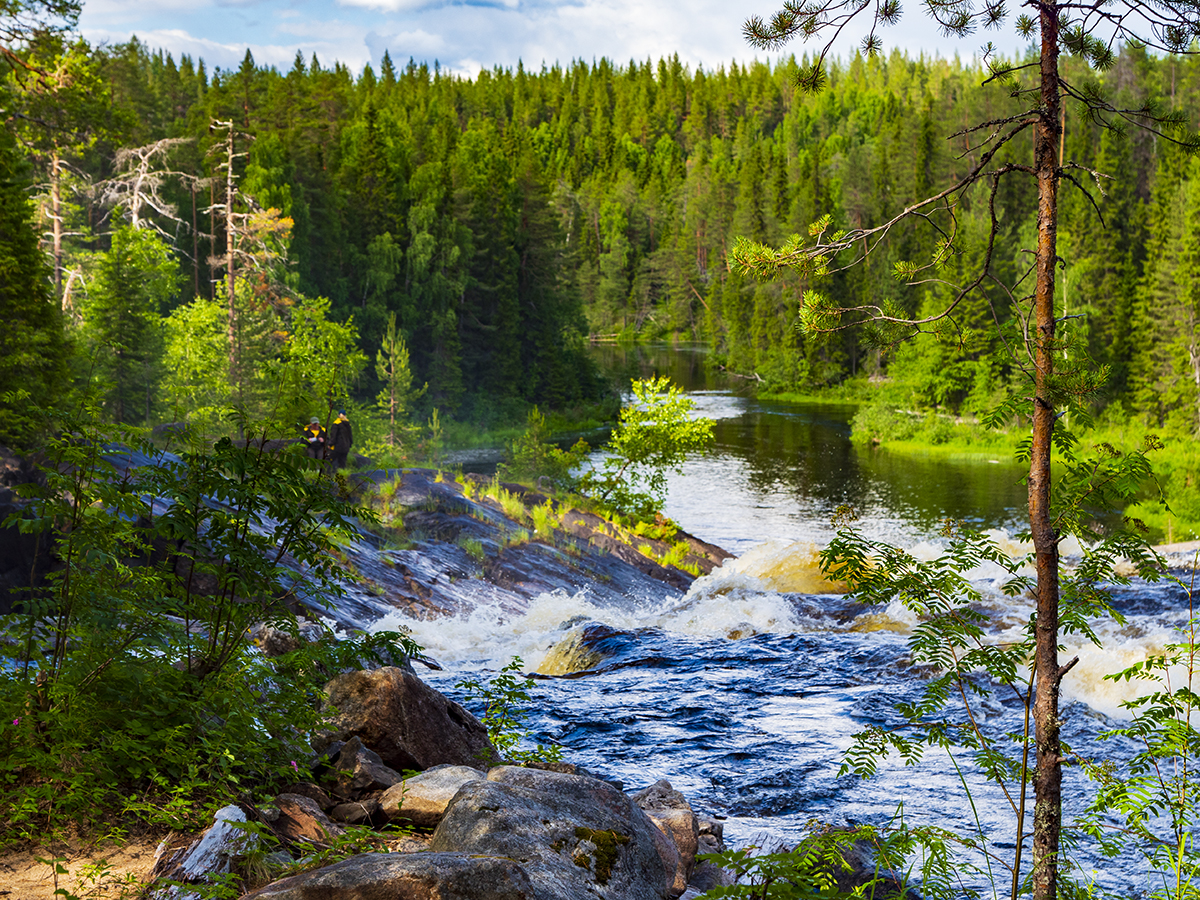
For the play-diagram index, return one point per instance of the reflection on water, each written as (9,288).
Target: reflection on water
(782,470)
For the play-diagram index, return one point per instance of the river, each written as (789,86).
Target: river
(746,693)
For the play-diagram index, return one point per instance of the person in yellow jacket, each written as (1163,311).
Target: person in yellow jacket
(341,438)
(314,436)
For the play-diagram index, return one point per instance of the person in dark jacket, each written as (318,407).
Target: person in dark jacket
(314,436)
(341,438)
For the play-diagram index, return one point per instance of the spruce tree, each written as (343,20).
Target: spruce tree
(33,346)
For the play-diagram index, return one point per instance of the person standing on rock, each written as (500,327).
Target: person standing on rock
(314,436)
(341,437)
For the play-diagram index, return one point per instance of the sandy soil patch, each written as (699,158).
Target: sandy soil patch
(93,873)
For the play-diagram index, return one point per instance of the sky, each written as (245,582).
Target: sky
(469,35)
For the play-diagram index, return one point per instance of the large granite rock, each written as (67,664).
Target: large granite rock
(408,723)
(578,838)
(671,812)
(405,876)
(422,799)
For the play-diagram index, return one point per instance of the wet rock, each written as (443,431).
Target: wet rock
(422,799)
(302,819)
(581,649)
(406,876)
(408,723)
(360,770)
(578,838)
(671,812)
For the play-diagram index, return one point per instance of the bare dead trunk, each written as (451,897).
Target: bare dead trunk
(195,248)
(230,280)
(56,228)
(1047,779)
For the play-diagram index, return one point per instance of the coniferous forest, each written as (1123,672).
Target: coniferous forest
(194,223)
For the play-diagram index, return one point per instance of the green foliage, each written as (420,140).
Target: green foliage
(130,683)
(133,284)
(878,423)
(321,361)
(533,459)
(655,435)
(395,373)
(197,363)
(505,698)
(822,865)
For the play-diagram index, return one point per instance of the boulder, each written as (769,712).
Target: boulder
(671,812)
(361,771)
(313,793)
(301,819)
(213,853)
(408,723)
(405,876)
(423,798)
(706,875)
(578,838)
(357,812)
(582,648)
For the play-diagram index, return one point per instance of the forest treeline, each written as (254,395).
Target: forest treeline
(498,221)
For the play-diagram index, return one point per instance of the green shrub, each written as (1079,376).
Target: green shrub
(877,424)
(543,520)
(656,434)
(533,459)
(505,698)
(129,684)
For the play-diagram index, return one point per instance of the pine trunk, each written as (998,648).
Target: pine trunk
(1047,779)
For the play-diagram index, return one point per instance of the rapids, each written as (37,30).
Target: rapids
(745,692)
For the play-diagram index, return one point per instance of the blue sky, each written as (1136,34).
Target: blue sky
(465,36)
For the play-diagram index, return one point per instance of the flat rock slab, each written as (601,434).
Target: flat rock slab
(422,799)
(405,876)
(578,838)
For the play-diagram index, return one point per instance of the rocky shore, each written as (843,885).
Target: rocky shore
(415,777)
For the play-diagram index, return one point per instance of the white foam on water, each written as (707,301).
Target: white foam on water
(774,565)
(1121,647)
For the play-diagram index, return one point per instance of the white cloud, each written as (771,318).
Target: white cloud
(388,6)
(229,55)
(401,45)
